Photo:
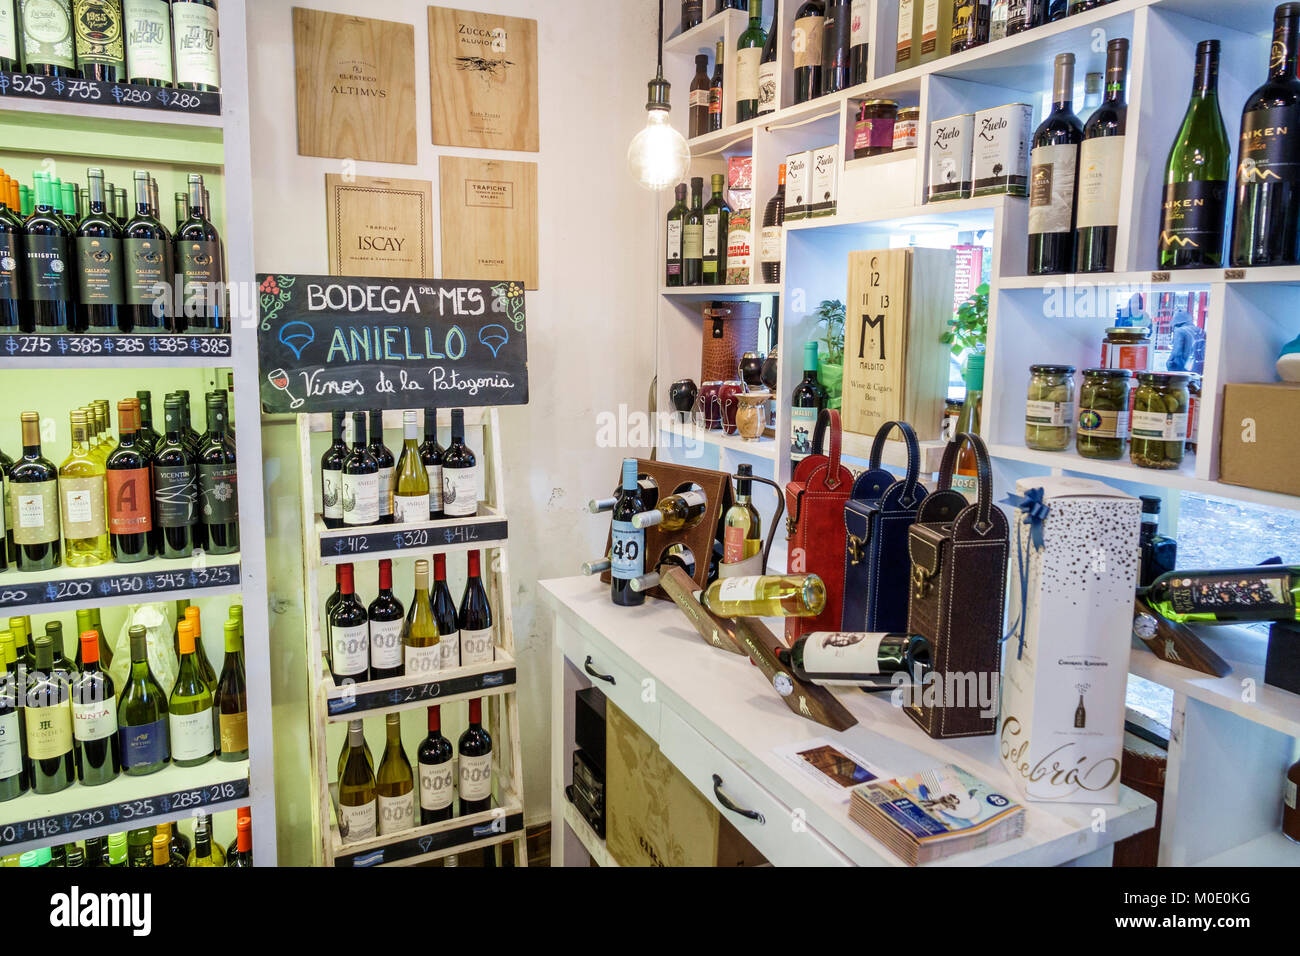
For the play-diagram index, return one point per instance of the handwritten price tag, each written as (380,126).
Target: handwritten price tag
(104,346)
(119,585)
(356,704)
(358,544)
(500,825)
(109,94)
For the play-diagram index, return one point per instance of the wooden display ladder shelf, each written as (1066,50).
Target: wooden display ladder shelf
(495,682)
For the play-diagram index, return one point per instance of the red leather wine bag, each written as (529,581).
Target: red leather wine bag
(814,504)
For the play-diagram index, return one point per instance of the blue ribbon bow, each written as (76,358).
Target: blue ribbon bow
(1035,515)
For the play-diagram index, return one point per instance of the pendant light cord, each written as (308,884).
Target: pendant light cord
(660,72)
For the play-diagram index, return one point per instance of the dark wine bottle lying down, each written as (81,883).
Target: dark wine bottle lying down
(869,661)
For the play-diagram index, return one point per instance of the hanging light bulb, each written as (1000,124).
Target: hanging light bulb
(658,157)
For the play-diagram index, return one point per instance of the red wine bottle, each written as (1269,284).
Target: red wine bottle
(349,634)
(431,455)
(387,464)
(219,481)
(176,487)
(145,249)
(1101,164)
(360,479)
(129,490)
(444,614)
(94,718)
(48,283)
(475,763)
(331,474)
(459,472)
(437,786)
(386,619)
(475,619)
(1053,178)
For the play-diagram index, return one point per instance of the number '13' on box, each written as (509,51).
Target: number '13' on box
(1062,724)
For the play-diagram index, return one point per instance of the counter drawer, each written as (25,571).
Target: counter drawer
(632,691)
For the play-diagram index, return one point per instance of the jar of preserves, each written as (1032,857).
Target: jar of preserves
(1193,411)
(1049,411)
(906,125)
(1127,347)
(1159,422)
(874,131)
(1103,413)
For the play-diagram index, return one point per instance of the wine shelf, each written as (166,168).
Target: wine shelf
(1177,278)
(707,293)
(706,33)
(19,351)
(112,585)
(392,695)
(32,820)
(119,100)
(691,439)
(445,536)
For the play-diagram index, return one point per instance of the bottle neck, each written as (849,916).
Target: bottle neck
(97,195)
(435,721)
(1063,88)
(476,712)
(196,200)
(474,569)
(1206,85)
(142,201)
(393,729)
(337,430)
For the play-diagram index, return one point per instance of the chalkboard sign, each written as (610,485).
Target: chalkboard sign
(138,585)
(432,842)
(357,705)
(109,94)
(336,343)
(347,545)
(75,347)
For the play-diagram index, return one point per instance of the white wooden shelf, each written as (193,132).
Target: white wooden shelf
(706,293)
(113,584)
(392,695)
(594,845)
(1272,849)
(690,435)
(1175,278)
(704,35)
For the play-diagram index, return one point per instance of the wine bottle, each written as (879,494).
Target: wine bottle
(176,487)
(673,256)
(1053,178)
(477,645)
(475,749)
(147,436)
(148,41)
(81,490)
(1266,225)
(13,769)
(94,717)
(33,489)
(444,615)
(693,235)
(459,472)
(387,619)
(394,783)
(970,24)
(232,700)
(692,14)
(48,45)
(431,455)
(206,671)
(360,479)
(11,241)
(331,474)
(773,231)
(869,661)
(743,528)
(161,851)
(349,634)
(1056,10)
(965,477)
(675,512)
(768,75)
(698,122)
(115,851)
(1196,175)
(8,550)
(794,595)
(1025,15)
(47,244)
(358,809)
(420,637)
(806,46)
(716,92)
(203,855)
(194,26)
(437,786)
(628,541)
(197,255)
(411,479)
(807,402)
(189,709)
(49,723)
(9,59)
(1158,553)
(386,464)
(145,246)
(130,495)
(835,46)
(717,217)
(100,277)
(219,481)
(1101,165)
(99,42)
(243,852)
(749,53)
(859,41)
(1262,593)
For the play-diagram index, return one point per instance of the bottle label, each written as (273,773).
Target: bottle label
(1269,151)
(331,487)
(386,644)
(1290,793)
(195,29)
(148,39)
(903,54)
(968,485)
(94,721)
(436,785)
(8,51)
(100,271)
(234,732)
(712,242)
(47,32)
(1193,218)
(408,508)
(49,731)
(1051,188)
(476,647)
(1262,594)
(736,547)
(358,823)
(146,273)
(200,269)
(770,244)
(424,661)
(129,506)
(144,744)
(385,491)
(747,63)
(11,748)
(435,487)
(450,644)
(739,589)
(219,489)
(693,242)
(36,512)
(460,492)
(803,422)
(83,507)
(191,734)
(1160,426)
(361,499)
(715,102)
(475,777)
(48,264)
(838,652)
(859,30)
(98,25)
(176,490)
(767,87)
(674,247)
(699,98)
(1049,413)
(627,551)
(929,27)
(9,282)
(1099,423)
(806,42)
(396,813)
(1100,162)
(349,650)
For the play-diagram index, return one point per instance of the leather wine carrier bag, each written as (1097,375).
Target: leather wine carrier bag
(814,504)
(877,519)
(730,330)
(956,601)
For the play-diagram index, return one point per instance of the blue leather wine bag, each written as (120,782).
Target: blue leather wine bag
(877,518)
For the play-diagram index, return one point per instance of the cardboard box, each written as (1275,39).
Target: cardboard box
(798,185)
(1001,150)
(1257,447)
(950,158)
(824,193)
(1062,723)
(654,816)
(740,247)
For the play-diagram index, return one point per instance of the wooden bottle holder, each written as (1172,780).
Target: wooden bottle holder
(670,478)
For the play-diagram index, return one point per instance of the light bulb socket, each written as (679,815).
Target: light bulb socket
(658,99)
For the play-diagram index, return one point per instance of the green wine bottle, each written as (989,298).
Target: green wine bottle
(189,709)
(673,254)
(142,713)
(717,222)
(1232,596)
(749,57)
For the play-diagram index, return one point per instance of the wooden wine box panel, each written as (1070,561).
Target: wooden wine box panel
(489,219)
(895,366)
(379,227)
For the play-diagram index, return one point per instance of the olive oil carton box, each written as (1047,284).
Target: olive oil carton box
(1001,150)
(825,181)
(1065,662)
(950,157)
(798,185)
(740,247)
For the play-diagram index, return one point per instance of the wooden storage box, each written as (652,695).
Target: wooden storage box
(1256,446)
(895,367)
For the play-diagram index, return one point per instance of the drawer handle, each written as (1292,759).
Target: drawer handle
(730,804)
(597,674)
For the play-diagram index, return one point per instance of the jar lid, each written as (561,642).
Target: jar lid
(707,384)
(880,102)
(1052,369)
(1163,378)
(911,112)
(1108,372)
(1130,331)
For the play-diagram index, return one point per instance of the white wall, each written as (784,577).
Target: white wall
(590,323)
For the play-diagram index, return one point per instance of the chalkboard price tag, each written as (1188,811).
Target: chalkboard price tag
(335,343)
(109,95)
(74,347)
(358,704)
(141,585)
(431,842)
(362,543)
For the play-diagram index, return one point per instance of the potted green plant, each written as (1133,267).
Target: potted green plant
(969,326)
(830,320)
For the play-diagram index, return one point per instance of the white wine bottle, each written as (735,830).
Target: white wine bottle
(675,513)
(420,639)
(411,481)
(189,708)
(395,784)
(793,595)
(82,489)
(358,810)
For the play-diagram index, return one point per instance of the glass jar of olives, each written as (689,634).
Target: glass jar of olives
(1049,411)
(1159,423)
(1103,413)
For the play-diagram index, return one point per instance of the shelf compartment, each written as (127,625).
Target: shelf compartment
(593,844)
(705,34)
(393,695)
(174,793)
(691,434)
(444,536)
(114,351)
(112,585)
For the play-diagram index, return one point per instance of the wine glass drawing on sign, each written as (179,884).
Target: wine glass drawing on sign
(280,379)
